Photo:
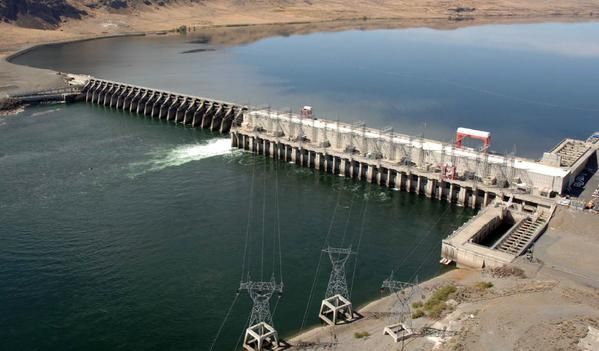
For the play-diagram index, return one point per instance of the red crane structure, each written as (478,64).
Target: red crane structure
(463,133)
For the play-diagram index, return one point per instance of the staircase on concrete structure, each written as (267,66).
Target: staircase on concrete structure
(518,240)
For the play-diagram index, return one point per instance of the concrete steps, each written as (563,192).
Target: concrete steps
(521,238)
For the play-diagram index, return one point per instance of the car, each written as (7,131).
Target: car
(564,202)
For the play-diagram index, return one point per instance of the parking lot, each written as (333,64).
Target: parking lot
(586,188)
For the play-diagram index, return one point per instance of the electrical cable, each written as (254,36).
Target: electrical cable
(220,329)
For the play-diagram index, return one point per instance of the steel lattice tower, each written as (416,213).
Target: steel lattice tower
(337,280)
(403,291)
(261,293)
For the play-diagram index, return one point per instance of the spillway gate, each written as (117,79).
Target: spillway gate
(193,111)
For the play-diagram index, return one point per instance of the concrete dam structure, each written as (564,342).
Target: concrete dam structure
(495,236)
(445,171)
(435,169)
(172,107)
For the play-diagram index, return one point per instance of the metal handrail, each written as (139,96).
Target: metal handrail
(67,90)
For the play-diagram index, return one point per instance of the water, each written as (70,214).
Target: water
(529,85)
(120,232)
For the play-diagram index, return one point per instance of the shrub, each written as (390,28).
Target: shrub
(439,296)
(417,304)
(435,305)
(417,314)
(437,310)
(360,335)
(483,285)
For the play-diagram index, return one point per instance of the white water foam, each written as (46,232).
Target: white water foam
(46,112)
(183,154)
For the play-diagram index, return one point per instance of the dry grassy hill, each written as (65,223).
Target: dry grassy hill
(25,22)
(50,14)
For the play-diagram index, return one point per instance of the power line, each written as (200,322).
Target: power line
(423,237)
(351,288)
(220,329)
(246,257)
(351,205)
(326,241)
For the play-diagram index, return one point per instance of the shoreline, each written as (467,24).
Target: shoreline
(382,303)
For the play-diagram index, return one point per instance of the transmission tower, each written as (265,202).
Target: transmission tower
(260,333)
(404,292)
(336,306)
(337,280)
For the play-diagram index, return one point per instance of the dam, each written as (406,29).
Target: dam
(523,191)
(171,107)
(446,171)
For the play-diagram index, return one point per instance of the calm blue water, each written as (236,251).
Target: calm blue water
(119,232)
(529,85)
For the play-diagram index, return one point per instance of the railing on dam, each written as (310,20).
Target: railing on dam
(62,95)
(178,108)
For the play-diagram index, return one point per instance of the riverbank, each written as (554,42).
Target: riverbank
(540,311)
(549,303)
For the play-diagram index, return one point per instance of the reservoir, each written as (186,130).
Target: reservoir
(530,85)
(121,232)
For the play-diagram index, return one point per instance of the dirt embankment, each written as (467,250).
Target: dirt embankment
(493,311)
